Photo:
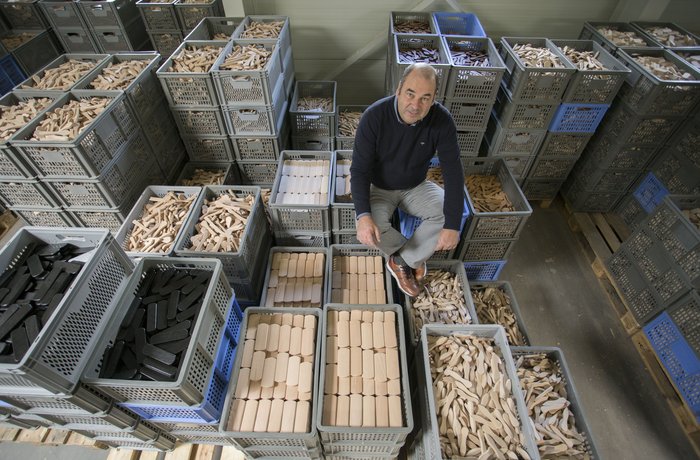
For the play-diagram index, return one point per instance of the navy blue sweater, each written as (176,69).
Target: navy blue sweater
(393,155)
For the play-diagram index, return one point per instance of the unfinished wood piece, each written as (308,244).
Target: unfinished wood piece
(381,388)
(316,291)
(254,390)
(292,266)
(284,338)
(282,361)
(355,315)
(368,386)
(293,368)
(355,333)
(378,334)
(395,417)
(309,267)
(366,336)
(343,411)
(355,361)
(367,315)
(305,396)
(394,387)
(331,350)
(280,390)
(332,323)
(295,341)
(302,416)
(362,296)
(249,416)
(292,393)
(352,269)
(380,367)
(252,326)
(368,364)
(236,417)
(393,370)
(287,319)
(262,416)
(368,411)
(382,411)
(308,337)
(343,333)
(261,337)
(389,316)
(356,385)
(343,315)
(390,334)
(344,362)
(248,350)
(256,368)
(267,392)
(355,410)
(270,297)
(330,406)
(298,321)
(273,337)
(330,385)
(319,263)
(305,377)
(298,290)
(354,297)
(288,416)
(274,423)
(283,264)
(308,290)
(344,385)
(241,390)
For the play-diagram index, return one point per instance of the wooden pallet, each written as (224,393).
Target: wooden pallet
(680,409)
(47,437)
(7,221)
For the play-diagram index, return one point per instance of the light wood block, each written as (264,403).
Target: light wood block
(262,416)
(295,341)
(306,372)
(285,336)
(368,411)
(256,369)
(344,386)
(355,362)
(248,350)
(274,423)
(343,411)
(249,414)
(330,384)
(301,419)
(395,417)
(382,411)
(356,410)
(288,416)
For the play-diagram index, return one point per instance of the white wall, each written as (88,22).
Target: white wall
(328,35)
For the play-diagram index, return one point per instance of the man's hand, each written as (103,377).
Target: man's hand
(367,231)
(447,240)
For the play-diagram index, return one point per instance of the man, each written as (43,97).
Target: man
(395,141)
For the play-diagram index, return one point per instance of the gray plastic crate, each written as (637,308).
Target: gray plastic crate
(554,168)
(62,13)
(164,442)
(469,115)
(115,419)
(292,249)
(95,59)
(590,32)
(141,432)
(91,151)
(405,42)
(484,250)
(645,26)
(503,141)
(82,401)
(57,357)
(345,237)
(248,289)
(284,37)
(686,138)
(108,13)
(496,225)
(298,217)
(257,120)
(581,198)
(556,355)
(47,218)
(158,16)
(343,141)
(646,94)
(188,88)
(472,83)
(343,216)
(630,211)
(228,171)
(357,250)
(368,437)
(196,366)
(130,37)
(236,264)
(199,121)
(285,445)
(165,41)
(111,219)
(601,179)
(313,143)
(690,56)
(313,123)
(534,84)
(35,53)
(24,14)
(211,26)
(76,39)
(677,172)
(624,125)
(137,211)
(507,289)
(542,189)
(303,239)
(209,148)
(564,144)
(30,193)
(260,173)
(189,14)
(248,87)
(606,151)
(523,115)
(470,142)
(425,18)
(594,86)
(262,148)
(455,267)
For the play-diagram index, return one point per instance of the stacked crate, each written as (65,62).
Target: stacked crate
(40,380)
(312,115)
(168,351)
(343,217)
(70,26)
(405,23)
(412,48)
(357,275)
(115,25)
(28,42)
(295,277)
(300,200)
(528,99)
(642,119)
(586,100)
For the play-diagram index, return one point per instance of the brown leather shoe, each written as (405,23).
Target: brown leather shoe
(420,272)
(403,274)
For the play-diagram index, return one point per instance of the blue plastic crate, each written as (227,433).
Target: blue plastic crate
(449,23)
(650,192)
(484,270)
(209,411)
(11,74)
(578,118)
(680,361)
(410,223)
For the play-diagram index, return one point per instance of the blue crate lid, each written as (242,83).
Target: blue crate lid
(484,270)
(452,23)
(11,74)
(578,118)
(650,192)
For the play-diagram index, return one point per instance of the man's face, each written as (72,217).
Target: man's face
(415,97)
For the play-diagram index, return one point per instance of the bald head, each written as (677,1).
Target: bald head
(422,70)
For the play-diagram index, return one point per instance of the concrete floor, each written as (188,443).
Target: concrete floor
(562,305)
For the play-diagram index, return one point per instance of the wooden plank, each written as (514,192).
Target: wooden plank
(608,233)
(123,454)
(151,455)
(9,434)
(590,231)
(204,452)
(35,436)
(57,437)
(77,439)
(231,453)
(621,229)
(181,452)
(615,297)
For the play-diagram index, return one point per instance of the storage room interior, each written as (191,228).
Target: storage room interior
(599,249)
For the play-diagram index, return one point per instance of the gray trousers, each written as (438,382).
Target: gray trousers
(423,201)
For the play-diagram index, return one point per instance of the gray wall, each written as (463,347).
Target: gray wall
(346,41)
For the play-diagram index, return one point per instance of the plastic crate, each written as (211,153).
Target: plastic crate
(689,55)
(457,269)
(248,87)
(481,250)
(303,239)
(650,192)
(208,27)
(608,152)
(209,148)
(236,264)
(30,193)
(578,118)
(590,32)
(677,172)
(91,151)
(644,26)
(298,217)
(450,23)
(35,53)
(94,59)
(350,250)
(584,197)
(55,361)
(261,148)
(405,42)
(136,212)
(110,219)
(469,142)
(141,432)
(131,37)
(284,37)
(82,401)
(188,88)
(472,83)
(76,39)
(600,179)
(254,120)
(212,335)
(313,123)
(680,360)
(46,217)
(345,237)
(61,14)
(343,217)
(109,13)
(553,169)
(640,297)
(188,171)
(190,14)
(564,145)
(344,142)
(368,437)
(538,189)
(469,115)
(625,126)
(425,18)
(507,289)
(484,270)
(199,121)
(593,86)
(165,42)
(523,115)
(685,138)
(283,444)
(23,15)
(164,442)
(313,143)
(571,394)
(258,172)
(503,141)
(630,211)
(496,225)
(646,94)
(294,248)
(158,16)
(426,398)
(534,84)
(10,74)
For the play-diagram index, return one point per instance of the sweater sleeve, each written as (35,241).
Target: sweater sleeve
(452,173)
(363,157)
